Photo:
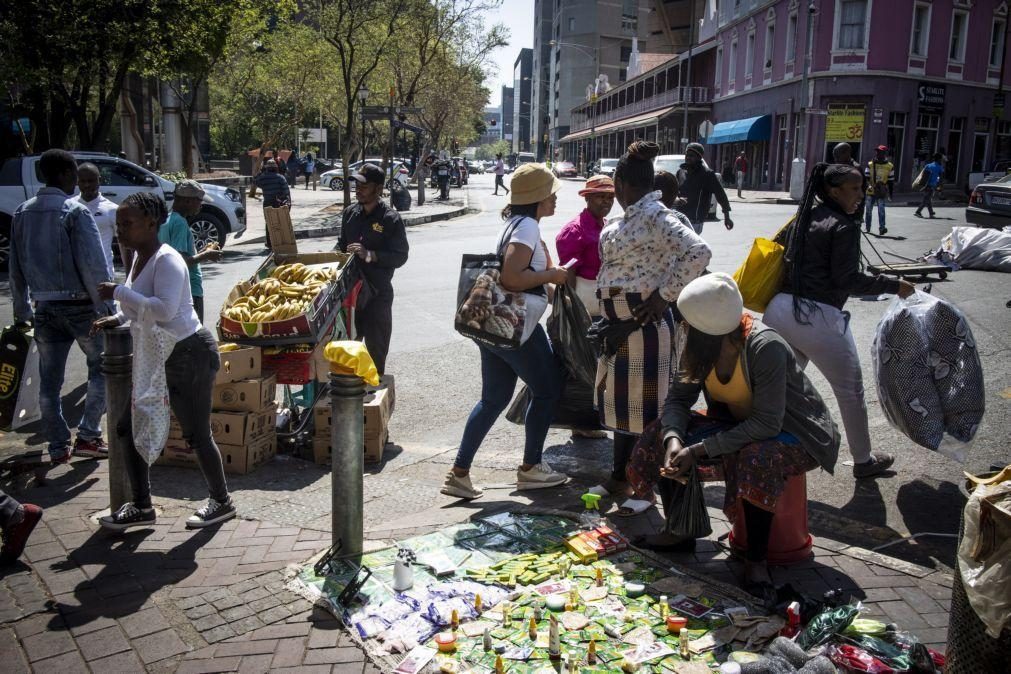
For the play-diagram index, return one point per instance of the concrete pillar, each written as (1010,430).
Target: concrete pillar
(117,365)
(347,440)
(172,130)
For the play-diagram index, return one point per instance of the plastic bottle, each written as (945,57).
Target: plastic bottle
(792,627)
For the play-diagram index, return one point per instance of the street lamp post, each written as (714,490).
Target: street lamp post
(593,97)
(798,171)
(363,94)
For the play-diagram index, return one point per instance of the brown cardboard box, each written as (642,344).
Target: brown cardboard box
(233,428)
(282,233)
(322,411)
(249,395)
(377,419)
(237,459)
(242,363)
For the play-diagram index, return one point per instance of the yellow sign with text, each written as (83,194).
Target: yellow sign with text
(845,125)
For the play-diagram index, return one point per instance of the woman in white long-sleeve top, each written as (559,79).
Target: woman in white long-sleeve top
(158,283)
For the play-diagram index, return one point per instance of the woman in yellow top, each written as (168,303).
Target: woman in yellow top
(765,422)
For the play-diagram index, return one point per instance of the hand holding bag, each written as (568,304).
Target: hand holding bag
(152,346)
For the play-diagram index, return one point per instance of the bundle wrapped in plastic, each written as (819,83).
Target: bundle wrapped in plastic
(928,373)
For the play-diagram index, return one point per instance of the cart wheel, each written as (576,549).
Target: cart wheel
(943,275)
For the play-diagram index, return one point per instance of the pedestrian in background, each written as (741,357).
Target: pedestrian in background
(102,210)
(500,174)
(842,153)
(822,272)
(741,172)
(698,186)
(647,256)
(667,184)
(526,267)
(933,172)
(57,261)
(158,283)
(309,170)
(276,192)
(176,232)
(880,175)
(375,233)
(579,240)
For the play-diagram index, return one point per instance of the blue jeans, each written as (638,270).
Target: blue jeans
(535,363)
(57,327)
(869,213)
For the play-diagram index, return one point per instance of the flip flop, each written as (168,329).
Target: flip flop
(634,507)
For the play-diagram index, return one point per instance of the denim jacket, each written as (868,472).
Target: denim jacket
(56,253)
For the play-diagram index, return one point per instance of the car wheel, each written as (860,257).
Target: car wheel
(337,184)
(207,228)
(5,243)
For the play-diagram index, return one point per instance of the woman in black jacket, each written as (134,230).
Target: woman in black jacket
(822,272)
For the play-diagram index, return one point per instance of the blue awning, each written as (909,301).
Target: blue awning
(753,128)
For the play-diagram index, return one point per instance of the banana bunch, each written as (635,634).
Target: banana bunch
(225,347)
(287,292)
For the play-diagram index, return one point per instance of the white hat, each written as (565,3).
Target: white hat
(712,304)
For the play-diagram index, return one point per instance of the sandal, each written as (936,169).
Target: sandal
(634,506)
(609,487)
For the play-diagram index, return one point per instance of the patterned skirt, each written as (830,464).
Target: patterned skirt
(632,384)
(756,473)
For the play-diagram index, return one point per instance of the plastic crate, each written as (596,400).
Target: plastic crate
(290,367)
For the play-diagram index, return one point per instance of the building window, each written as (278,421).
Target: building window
(956,129)
(572,24)
(1003,149)
(896,138)
(959,27)
(921,31)
(732,74)
(622,74)
(791,38)
(852,24)
(719,68)
(925,145)
(770,42)
(630,16)
(749,55)
(626,53)
(997,42)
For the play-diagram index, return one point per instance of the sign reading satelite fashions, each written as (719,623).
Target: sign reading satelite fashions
(845,125)
(930,96)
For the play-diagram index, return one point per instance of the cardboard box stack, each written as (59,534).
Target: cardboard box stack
(243,416)
(378,408)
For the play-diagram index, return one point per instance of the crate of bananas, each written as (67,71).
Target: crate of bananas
(295,301)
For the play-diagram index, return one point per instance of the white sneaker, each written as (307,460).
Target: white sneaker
(460,487)
(540,476)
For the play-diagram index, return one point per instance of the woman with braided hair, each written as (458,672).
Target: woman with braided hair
(158,284)
(647,257)
(822,271)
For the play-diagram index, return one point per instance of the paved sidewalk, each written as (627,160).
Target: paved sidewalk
(166,599)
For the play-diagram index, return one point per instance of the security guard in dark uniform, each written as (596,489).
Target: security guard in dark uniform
(375,233)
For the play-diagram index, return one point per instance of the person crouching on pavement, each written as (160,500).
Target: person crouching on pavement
(159,284)
(647,257)
(764,420)
(57,261)
(579,240)
(526,267)
(375,233)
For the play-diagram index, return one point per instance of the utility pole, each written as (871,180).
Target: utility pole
(798,170)
(998,98)
(688,78)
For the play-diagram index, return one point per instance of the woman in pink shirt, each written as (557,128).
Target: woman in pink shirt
(580,240)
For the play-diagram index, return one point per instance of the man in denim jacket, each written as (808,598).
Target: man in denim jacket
(57,260)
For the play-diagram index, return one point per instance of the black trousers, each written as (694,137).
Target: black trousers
(198,306)
(374,325)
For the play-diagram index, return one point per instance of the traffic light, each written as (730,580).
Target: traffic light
(492,122)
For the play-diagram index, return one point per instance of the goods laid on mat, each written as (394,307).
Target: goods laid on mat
(290,298)
(535,593)
(928,373)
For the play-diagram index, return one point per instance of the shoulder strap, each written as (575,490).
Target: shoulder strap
(507,233)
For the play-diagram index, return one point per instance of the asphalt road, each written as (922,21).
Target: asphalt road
(438,377)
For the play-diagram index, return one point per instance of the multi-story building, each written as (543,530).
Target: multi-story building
(492,126)
(507,114)
(543,15)
(522,88)
(917,76)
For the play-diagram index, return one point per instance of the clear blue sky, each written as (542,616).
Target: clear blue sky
(518,17)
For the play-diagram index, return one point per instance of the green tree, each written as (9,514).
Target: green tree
(489,150)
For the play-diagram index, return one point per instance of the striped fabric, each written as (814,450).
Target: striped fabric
(632,384)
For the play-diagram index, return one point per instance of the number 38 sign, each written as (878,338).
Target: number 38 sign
(845,125)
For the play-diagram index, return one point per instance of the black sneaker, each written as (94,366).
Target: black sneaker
(212,513)
(128,516)
(882,231)
(919,215)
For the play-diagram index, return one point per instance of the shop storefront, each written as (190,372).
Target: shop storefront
(751,136)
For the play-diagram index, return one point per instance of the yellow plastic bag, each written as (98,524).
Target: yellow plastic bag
(761,275)
(348,357)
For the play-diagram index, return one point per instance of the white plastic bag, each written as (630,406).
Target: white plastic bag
(150,403)
(928,373)
(987,577)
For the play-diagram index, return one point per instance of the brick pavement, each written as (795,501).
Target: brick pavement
(166,599)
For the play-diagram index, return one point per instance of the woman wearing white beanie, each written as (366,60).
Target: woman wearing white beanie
(764,421)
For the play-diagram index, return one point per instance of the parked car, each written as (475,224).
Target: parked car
(334,179)
(998,170)
(475,167)
(222,213)
(565,169)
(990,204)
(606,167)
(525,158)
(672,163)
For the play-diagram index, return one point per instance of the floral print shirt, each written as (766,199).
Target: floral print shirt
(650,248)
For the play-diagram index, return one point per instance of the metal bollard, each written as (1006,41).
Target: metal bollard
(117,365)
(347,442)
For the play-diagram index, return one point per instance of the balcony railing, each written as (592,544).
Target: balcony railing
(677,96)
